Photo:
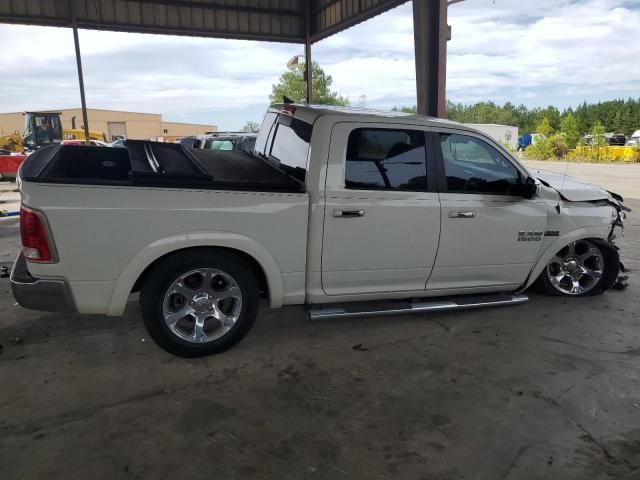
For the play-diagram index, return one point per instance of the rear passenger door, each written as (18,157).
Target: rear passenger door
(382,213)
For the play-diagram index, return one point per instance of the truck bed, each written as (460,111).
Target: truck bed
(156,164)
(107,230)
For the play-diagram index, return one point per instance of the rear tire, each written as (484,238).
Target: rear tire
(199,302)
(581,269)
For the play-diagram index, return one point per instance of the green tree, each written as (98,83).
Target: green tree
(598,139)
(293,85)
(544,127)
(552,114)
(625,122)
(557,145)
(540,150)
(618,116)
(413,109)
(598,132)
(569,127)
(251,126)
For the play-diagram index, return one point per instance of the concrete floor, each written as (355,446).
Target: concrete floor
(546,390)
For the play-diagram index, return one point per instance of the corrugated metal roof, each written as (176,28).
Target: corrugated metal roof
(332,16)
(269,20)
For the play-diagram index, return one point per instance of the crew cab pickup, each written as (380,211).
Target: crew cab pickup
(347,212)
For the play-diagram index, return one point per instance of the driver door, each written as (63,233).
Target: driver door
(482,247)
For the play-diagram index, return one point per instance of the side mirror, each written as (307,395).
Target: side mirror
(530,188)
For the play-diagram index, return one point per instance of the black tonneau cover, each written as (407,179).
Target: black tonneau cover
(144,163)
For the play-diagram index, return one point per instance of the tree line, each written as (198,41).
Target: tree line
(616,116)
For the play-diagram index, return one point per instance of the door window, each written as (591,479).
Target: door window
(385,159)
(473,166)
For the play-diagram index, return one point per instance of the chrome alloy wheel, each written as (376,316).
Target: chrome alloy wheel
(577,268)
(202,305)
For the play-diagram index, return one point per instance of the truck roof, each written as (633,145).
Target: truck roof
(309,113)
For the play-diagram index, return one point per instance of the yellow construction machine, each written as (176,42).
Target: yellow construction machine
(42,129)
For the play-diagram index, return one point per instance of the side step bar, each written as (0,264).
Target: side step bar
(376,309)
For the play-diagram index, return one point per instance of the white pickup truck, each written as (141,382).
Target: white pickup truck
(347,212)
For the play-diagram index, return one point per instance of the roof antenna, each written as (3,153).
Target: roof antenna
(286,99)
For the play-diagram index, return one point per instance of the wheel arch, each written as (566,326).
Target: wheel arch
(584,233)
(260,260)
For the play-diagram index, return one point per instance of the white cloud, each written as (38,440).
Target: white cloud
(571,49)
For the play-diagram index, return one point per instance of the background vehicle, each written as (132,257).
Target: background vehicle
(42,129)
(93,143)
(528,139)
(117,143)
(10,163)
(634,140)
(228,141)
(612,139)
(11,143)
(188,142)
(332,208)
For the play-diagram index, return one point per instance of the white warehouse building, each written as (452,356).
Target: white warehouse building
(503,134)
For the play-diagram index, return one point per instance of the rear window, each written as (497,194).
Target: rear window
(284,141)
(222,145)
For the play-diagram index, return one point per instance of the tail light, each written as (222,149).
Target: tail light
(288,110)
(36,243)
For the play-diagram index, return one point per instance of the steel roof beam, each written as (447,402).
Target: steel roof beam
(224,7)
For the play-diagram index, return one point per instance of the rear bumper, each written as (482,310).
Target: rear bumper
(50,295)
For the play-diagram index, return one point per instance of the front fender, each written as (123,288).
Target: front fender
(557,245)
(157,249)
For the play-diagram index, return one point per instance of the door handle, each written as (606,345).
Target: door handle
(337,212)
(468,214)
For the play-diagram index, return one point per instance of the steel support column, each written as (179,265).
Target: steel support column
(76,41)
(308,66)
(430,38)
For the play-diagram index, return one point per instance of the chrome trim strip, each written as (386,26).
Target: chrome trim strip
(419,307)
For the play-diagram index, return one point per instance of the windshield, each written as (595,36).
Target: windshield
(42,129)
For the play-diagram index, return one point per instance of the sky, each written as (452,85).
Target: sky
(548,52)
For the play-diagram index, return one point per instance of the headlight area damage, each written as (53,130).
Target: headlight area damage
(620,216)
(571,189)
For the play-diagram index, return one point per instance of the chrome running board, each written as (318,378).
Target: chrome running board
(376,309)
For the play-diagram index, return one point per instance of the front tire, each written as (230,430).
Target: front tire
(199,302)
(582,268)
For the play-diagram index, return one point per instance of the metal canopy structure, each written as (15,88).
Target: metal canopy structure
(270,20)
(293,21)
